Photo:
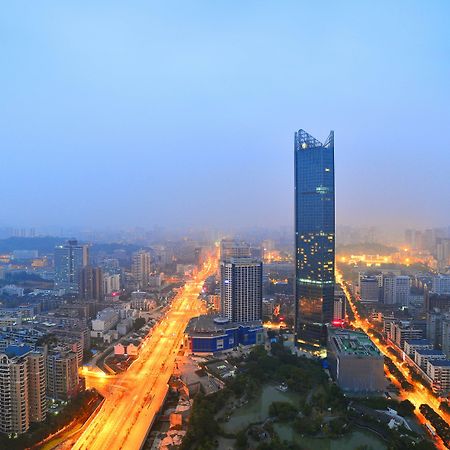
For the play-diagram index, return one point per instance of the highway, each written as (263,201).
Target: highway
(134,397)
(419,394)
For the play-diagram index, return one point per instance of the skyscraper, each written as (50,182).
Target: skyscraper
(314,237)
(69,260)
(241,289)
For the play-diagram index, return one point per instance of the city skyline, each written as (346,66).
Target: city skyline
(157,105)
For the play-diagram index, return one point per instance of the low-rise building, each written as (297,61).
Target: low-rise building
(211,334)
(439,372)
(22,389)
(411,345)
(422,356)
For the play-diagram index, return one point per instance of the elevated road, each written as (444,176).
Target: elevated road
(133,398)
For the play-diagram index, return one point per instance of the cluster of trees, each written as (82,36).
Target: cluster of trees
(397,374)
(258,368)
(441,426)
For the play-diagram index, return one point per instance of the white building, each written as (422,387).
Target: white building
(241,289)
(439,372)
(396,289)
(106,319)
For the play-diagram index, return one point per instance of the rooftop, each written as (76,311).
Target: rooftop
(353,343)
(440,363)
(426,352)
(211,325)
(418,342)
(17,350)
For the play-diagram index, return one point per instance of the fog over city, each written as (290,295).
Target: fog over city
(183,114)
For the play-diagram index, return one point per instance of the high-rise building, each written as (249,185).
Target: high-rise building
(70,258)
(140,268)
(241,289)
(36,386)
(22,389)
(62,373)
(91,283)
(314,237)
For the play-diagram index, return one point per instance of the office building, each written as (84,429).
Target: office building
(70,258)
(314,237)
(91,283)
(355,362)
(241,289)
(369,290)
(140,268)
(396,289)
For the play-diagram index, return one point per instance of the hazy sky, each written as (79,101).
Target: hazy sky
(124,113)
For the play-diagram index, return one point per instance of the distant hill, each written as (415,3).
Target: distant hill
(367,248)
(43,245)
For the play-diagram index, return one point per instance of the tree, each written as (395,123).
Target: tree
(139,323)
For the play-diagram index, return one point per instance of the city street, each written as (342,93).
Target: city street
(134,397)
(419,395)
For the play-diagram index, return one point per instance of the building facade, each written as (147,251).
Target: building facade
(140,268)
(70,259)
(355,362)
(314,237)
(241,289)
(91,283)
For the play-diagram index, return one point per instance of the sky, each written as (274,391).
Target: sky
(182,113)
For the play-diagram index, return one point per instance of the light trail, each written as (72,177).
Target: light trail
(133,398)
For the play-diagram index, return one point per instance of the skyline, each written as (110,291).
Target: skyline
(119,117)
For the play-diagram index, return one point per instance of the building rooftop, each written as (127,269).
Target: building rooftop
(418,342)
(426,352)
(17,350)
(211,325)
(440,362)
(353,343)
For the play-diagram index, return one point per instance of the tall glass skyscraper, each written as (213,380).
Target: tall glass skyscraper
(314,238)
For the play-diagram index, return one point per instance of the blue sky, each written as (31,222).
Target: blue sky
(183,112)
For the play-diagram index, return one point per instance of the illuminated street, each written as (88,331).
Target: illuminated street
(134,397)
(419,395)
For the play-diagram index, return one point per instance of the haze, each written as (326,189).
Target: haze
(119,114)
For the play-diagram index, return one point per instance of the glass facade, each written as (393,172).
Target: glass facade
(314,237)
